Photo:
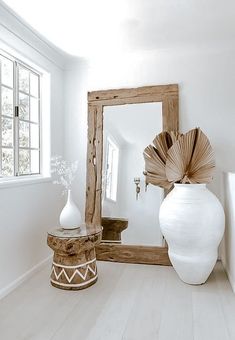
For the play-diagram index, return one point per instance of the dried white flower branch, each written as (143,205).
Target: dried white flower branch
(64,171)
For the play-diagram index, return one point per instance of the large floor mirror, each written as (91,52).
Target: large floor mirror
(121,123)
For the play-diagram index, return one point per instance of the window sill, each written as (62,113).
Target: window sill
(27,180)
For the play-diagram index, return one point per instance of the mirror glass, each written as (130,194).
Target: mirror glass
(129,211)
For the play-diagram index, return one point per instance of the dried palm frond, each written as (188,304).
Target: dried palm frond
(155,159)
(190,159)
(164,140)
(155,168)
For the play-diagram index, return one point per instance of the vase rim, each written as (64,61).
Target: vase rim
(191,185)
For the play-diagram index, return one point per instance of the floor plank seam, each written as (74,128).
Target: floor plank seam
(221,303)
(133,304)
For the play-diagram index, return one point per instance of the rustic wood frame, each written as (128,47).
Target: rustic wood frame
(97,100)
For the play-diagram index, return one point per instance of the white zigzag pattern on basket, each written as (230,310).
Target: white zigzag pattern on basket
(69,279)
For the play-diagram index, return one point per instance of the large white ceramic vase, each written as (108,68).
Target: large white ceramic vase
(70,217)
(192,222)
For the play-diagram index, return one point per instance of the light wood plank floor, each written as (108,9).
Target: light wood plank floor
(129,302)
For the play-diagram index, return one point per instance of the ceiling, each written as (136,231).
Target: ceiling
(91,27)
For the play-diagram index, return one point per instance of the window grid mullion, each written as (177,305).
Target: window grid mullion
(0,118)
(26,121)
(8,87)
(25,93)
(27,148)
(7,147)
(29,125)
(16,120)
(39,123)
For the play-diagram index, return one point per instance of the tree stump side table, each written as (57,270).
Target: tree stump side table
(74,260)
(112,229)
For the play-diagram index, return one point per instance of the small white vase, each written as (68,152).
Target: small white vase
(192,222)
(70,217)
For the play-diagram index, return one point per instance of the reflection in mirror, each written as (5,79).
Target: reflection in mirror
(130,213)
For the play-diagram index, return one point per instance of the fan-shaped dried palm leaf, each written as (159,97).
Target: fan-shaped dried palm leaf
(163,141)
(190,159)
(155,171)
(155,159)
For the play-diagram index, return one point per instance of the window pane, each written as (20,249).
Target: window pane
(34,136)
(7,131)
(34,161)
(24,106)
(24,167)
(7,101)
(7,162)
(25,93)
(23,134)
(7,71)
(23,79)
(34,85)
(33,109)
(111,170)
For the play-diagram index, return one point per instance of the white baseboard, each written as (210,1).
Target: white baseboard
(231,280)
(232,283)
(13,285)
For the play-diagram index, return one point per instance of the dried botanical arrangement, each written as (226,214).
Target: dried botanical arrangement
(155,159)
(178,158)
(64,171)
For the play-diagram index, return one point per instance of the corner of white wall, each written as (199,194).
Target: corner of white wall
(228,253)
(26,276)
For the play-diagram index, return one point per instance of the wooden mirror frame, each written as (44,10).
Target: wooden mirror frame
(97,100)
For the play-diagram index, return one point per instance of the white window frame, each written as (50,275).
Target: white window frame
(29,177)
(112,194)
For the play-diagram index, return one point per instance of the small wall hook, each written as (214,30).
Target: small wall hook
(137,182)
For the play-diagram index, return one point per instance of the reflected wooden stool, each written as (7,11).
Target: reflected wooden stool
(112,229)
(74,260)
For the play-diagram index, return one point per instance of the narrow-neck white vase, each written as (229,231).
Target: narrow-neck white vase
(192,222)
(70,217)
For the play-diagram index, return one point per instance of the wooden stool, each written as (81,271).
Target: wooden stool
(112,229)
(74,261)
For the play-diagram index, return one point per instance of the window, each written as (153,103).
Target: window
(19,118)
(111,170)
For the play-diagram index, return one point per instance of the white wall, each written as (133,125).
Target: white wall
(228,254)
(206,87)
(28,211)
(142,214)
(112,208)
(75,123)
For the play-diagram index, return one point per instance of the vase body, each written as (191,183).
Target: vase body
(192,222)
(70,217)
